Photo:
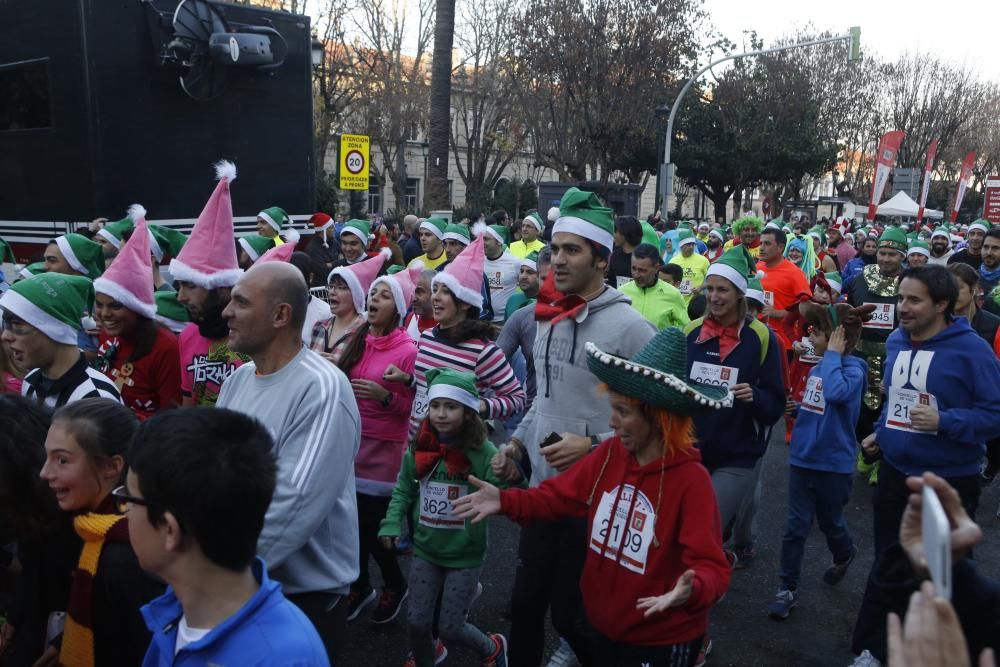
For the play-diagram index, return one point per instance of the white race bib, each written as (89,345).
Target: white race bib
(883,317)
(621,280)
(685,287)
(808,355)
(420,403)
(435,504)
(769,298)
(633,533)
(713,374)
(901,402)
(812,399)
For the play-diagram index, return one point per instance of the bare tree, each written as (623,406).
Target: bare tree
(436,193)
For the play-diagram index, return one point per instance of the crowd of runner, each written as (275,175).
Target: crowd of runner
(609,383)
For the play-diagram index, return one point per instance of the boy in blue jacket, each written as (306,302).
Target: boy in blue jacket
(823,448)
(198,486)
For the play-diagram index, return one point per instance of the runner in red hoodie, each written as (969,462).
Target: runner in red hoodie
(654,565)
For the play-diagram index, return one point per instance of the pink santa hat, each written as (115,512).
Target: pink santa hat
(208,259)
(402,284)
(129,279)
(281,253)
(464,275)
(359,277)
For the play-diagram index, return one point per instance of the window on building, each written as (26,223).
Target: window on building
(412,194)
(374,195)
(24,89)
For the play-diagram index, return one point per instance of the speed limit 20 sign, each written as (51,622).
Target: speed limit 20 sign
(354,162)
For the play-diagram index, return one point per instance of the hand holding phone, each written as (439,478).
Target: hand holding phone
(937,541)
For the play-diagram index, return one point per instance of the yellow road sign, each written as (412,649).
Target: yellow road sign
(354,161)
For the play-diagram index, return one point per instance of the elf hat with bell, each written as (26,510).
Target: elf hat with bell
(208,259)
(402,284)
(359,277)
(51,303)
(453,385)
(86,257)
(129,279)
(464,275)
(582,213)
(735,265)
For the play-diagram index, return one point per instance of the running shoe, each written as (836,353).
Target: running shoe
(564,656)
(866,659)
(836,572)
(706,649)
(781,607)
(357,601)
(499,656)
(744,556)
(389,604)
(440,653)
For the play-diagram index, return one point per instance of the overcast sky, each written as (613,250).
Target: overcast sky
(966,33)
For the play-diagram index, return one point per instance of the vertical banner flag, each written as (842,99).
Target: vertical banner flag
(888,147)
(963,183)
(925,188)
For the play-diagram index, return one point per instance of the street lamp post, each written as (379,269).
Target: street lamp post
(667,168)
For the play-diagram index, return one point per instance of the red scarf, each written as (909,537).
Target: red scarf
(553,305)
(729,337)
(755,244)
(429,451)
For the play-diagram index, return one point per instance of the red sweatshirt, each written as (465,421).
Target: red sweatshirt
(675,502)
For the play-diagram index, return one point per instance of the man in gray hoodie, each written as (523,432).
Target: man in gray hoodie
(310,535)
(568,404)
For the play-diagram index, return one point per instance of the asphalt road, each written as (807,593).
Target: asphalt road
(818,632)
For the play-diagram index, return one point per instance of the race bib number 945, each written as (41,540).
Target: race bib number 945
(631,534)
(883,317)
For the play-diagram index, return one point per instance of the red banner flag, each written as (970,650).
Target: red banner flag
(963,182)
(931,152)
(888,147)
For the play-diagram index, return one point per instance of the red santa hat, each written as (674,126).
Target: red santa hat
(464,275)
(402,284)
(129,279)
(359,277)
(208,259)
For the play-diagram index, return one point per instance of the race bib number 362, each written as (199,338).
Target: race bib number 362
(631,533)
(435,505)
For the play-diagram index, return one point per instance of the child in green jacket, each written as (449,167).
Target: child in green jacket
(448,551)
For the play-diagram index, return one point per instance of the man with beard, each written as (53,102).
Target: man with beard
(746,231)
(941,250)
(837,244)
(205,270)
(716,238)
(973,253)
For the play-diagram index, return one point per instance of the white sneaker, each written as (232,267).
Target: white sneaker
(866,659)
(563,657)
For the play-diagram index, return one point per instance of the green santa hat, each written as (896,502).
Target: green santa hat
(735,265)
(755,290)
(649,234)
(114,232)
(458,233)
(169,311)
(255,245)
(52,303)
(535,220)
(531,260)
(817,232)
(981,225)
(32,270)
(835,280)
(6,254)
(919,247)
(582,213)
(499,233)
(394,269)
(165,242)
(453,385)
(773,224)
(359,228)
(747,222)
(86,257)
(274,216)
(685,237)
(893,238)
(435,226)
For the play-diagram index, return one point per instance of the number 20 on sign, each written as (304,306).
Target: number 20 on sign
(354,161)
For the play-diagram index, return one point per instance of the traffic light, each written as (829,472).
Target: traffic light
(855,52)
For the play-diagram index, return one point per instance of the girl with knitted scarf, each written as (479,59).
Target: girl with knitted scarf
(654,562)
(84,460)
(448,552)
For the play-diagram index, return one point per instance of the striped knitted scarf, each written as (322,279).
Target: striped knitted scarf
(78,637)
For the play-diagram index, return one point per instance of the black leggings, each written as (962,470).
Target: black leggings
(371,511)
(608,653)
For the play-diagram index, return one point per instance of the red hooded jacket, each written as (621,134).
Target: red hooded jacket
(671,525)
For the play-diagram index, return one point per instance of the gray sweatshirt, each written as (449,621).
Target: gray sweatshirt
(310,535)
(567,399)
(518,333)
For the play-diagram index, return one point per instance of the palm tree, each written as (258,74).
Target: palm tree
(436,192)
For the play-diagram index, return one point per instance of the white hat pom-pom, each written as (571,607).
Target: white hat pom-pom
(292,236)
(478,229)
(224,169)
(136,211)
(417,264)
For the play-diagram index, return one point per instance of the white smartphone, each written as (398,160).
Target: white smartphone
(937,542)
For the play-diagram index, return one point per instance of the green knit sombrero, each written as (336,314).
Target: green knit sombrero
(657,375)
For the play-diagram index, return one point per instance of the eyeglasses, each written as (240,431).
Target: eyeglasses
(123,501)
(17,327)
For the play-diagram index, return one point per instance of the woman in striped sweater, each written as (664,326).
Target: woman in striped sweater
(461,341)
